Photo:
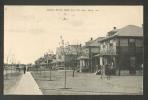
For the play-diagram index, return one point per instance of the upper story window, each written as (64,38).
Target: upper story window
(123,42)
(131,42)
(139,43)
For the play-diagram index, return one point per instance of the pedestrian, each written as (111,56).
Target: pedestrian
(24,69)
(108,71)
(97,69)
(73,71)
(102,71)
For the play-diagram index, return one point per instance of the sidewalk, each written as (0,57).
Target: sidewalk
(27,86)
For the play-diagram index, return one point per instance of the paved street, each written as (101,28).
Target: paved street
(88,84)
(26,86)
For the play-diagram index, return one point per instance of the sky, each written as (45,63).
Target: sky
(31,31)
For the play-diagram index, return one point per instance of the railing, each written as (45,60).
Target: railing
(109,51)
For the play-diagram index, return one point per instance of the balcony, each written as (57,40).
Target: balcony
(108,51)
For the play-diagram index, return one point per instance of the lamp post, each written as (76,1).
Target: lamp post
(51,52)
(48,63)
(50,69)
(65,69)
(62,41)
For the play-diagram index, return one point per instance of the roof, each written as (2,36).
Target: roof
(94,42)
(129,30)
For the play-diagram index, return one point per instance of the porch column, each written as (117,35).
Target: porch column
(81,64)
(101,61)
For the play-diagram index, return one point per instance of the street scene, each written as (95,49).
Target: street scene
(73,50)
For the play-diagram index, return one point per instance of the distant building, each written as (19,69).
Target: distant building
(123,48)
(67,56)
(45,61)
(60,57)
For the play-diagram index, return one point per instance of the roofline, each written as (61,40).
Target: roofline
(115,36)
(100,38)
(106,38)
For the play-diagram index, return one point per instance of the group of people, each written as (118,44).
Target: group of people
(105,70)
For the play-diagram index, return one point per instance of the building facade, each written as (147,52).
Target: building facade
(88,60)
(123,49)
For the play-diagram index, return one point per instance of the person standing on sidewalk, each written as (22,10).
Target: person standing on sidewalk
(73,72)
(24,69)
(108,71)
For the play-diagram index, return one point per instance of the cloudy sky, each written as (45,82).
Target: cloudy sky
(29,31)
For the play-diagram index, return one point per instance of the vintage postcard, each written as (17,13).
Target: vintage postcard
(73,50)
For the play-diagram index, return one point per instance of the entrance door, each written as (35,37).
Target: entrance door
(132,65)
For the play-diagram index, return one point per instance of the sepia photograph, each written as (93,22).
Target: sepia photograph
(73,50)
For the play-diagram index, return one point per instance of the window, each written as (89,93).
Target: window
(123,42)
(131,42)
(111,44)
(139,43)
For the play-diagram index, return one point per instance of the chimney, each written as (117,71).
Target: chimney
(114,28)
(91,38)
